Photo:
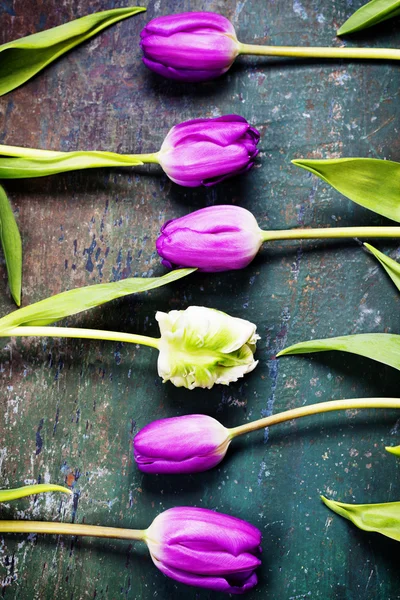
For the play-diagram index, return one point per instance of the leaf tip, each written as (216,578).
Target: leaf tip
(16,298)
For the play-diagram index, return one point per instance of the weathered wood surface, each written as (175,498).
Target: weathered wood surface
(69,409)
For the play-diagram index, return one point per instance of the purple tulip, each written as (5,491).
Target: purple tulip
(187,444)
(217,238)
(193,46)
(207,151)
(206,549)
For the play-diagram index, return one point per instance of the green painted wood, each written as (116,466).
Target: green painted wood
(69,409)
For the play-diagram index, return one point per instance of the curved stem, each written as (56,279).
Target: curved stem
(31,490)
(314,409)
(330,233)
(321,52)
(76,332)
(71,529)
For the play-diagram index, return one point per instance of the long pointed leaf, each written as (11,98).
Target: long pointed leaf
(75,301)
(31,490)
(22,59)
(379,518)
(393,450)
(391,266)
(371,182)
(12,246)
(372,13)
(61,162)
(382,347)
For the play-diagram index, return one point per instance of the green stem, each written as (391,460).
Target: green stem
(330,233)
(71,529)
(314,409)
(36,153)
(321,52)
(144,158)
(31,490)
(76,332)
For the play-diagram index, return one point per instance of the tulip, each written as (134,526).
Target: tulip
(206,549)
(227,237)
(216,238)
(201,346)
(194,153)
(181,445)
(200,46)
(194,46)
(207,151)
(195,443)
(198,347)
(195,546)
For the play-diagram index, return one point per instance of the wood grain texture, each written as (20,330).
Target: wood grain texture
(69,409)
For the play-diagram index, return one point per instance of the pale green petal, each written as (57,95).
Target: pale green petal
(200,347)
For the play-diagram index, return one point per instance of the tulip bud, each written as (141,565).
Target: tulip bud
(217,238)
(204,548)
(201,346)
(193,46)
(187,444)
(207,151)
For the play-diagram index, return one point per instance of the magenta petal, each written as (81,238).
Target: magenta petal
(201,51)
(169,24)
(181,75)
(221,130)
(224,533)
(218,584)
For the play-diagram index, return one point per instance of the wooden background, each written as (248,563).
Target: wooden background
(69,409)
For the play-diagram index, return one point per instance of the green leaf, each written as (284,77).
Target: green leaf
(22,59)
(382,347)
(379,518)
(371,182)
(393,450)
(372,13)
(30,490)
(391,266)
(75,301)
(61,162)
(12,247)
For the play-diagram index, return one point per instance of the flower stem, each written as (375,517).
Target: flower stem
(71,529)
(321,52)
(314,409)
(31,490)
(330,233)
(76,332)
(144,158)
(36,153)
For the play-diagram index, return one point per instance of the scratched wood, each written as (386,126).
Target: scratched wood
(70,409)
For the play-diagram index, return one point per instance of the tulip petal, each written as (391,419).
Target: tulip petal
(170,24)
(200,51)
(189,524)
(221,130)
(218,584)
(182,74)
